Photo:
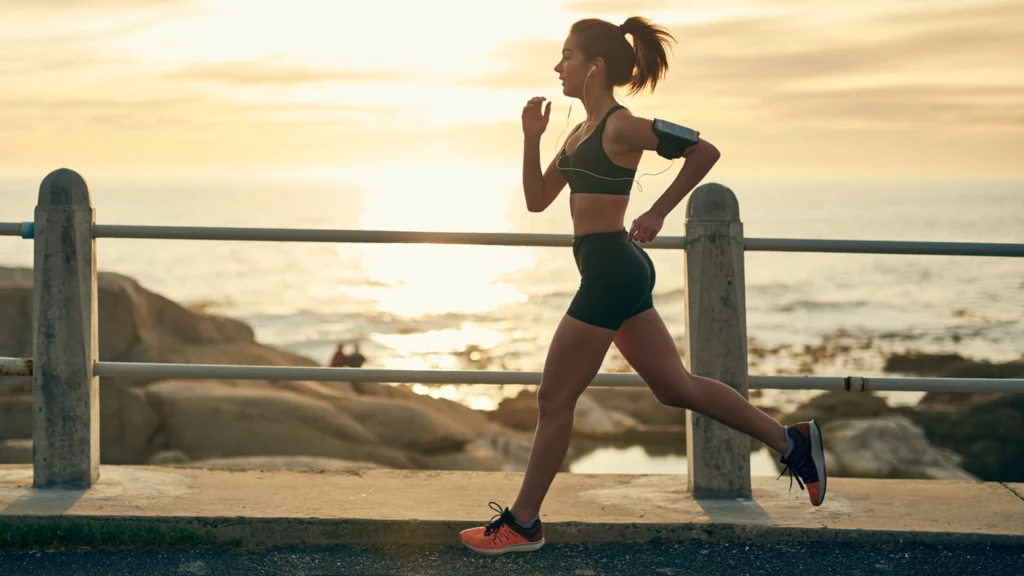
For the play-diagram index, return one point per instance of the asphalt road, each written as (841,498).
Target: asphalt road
(690,558)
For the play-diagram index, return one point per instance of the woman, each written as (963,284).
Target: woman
(613,303)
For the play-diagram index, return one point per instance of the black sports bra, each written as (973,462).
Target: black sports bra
(589,155)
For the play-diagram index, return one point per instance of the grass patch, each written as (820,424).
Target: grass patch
(63,534)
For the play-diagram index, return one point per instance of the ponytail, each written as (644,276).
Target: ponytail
(649,42)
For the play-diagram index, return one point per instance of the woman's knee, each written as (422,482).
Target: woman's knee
(554,404)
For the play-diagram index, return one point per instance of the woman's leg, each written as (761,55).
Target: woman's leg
(576,353)
(574,358)
(646,344)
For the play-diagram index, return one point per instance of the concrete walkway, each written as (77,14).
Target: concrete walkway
(160,505)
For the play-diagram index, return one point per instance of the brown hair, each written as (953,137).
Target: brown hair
(641,65)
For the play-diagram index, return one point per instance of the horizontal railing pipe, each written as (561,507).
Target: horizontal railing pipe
(887,384)
(354,236)
(19,367)
(497,377)
(883,247)
(323,374)
(520,239)
(15,367)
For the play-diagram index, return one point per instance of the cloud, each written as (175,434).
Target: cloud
(86,104)
(87,4)
(143,113)
(954,46)
(946,108)
(75,27)
(11,64)
(896,69)
(991,13)
(269,72)
(620,6)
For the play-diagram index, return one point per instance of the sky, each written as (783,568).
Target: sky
(781,87)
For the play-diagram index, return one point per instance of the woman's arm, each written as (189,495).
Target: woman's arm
(636,133)
(540,189)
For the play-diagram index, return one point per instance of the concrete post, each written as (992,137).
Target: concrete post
(716,333)
(65,393)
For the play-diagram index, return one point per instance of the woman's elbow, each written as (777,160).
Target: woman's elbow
(710,151)
(704,150)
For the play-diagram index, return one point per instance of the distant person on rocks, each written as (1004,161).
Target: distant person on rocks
(343,360)
(340,358)
(614,302)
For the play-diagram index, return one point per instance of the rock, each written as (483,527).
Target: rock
(592,419)
(921,364)
(985,429)
(16,451)
(985,370)
(126,424)
(518,412)
(207,420)
(476,421)
(16,416)
(658,424)
(832,407)
(136,325)
(470,458)
(589,418)
(283,462)
(16,312)
(639,403)
(406,424)
(952,366)
(384,424)
(168,458)
(513,448)
(323,390)
(890,446)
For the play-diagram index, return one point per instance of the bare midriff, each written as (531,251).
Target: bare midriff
(595,213)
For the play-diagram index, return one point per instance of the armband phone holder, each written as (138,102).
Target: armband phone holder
(673,139)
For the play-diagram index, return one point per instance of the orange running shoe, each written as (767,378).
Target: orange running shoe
(503,534)
(807,459)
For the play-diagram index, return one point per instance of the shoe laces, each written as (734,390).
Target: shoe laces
(497,521)
(802,468)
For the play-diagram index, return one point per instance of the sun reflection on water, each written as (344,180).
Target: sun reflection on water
(415,280)
(422,280)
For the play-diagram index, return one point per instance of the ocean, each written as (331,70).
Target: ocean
(479,307)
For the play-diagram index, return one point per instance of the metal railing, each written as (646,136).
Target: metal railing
(13,367)
(64,271)
(517,239)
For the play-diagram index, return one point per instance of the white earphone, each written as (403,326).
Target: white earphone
(584,98)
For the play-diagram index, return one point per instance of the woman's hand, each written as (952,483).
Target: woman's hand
(535,117)
(646,227)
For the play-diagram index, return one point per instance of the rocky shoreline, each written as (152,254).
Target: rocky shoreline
(347,425)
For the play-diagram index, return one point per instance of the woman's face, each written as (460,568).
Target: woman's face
(572,68)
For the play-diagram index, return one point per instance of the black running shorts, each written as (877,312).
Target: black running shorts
(616,279)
